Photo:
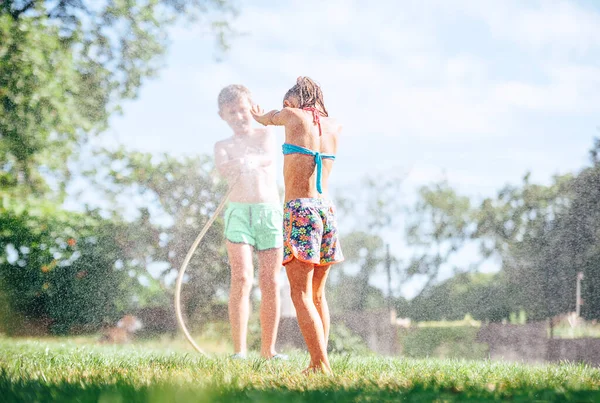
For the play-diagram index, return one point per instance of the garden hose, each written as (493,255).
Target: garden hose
(185,263)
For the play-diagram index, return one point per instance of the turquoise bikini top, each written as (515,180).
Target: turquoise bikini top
(294,149)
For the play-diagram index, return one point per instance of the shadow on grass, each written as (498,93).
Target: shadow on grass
(122,392)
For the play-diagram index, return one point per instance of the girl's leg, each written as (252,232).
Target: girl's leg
(318,288)
(242,273)
(300,275)
(269,262)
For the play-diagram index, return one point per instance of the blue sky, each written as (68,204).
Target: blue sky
(478,92)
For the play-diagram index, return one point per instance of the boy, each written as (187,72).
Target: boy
(253,219)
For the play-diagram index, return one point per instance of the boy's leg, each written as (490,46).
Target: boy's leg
(269,262)
(242,273)
(269,241)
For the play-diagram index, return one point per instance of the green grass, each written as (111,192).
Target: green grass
(583,330)
(68,370)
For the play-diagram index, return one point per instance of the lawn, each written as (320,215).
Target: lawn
(72,370)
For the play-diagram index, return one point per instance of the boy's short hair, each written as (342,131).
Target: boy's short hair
(232,93)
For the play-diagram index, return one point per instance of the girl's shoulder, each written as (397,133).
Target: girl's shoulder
(292,112)
(291,116)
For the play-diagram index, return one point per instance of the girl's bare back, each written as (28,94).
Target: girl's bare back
(299,170)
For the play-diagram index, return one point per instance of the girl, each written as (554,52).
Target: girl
(311,244)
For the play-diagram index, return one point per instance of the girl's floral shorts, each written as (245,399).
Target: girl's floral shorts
(310,232)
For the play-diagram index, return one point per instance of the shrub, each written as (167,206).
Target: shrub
(442,342)
(344,341)
(63,270)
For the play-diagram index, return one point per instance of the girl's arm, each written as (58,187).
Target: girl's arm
(275,117)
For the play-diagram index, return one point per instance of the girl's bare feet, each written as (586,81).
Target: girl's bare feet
(315,368)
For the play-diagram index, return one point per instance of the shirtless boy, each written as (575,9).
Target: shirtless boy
(252,219)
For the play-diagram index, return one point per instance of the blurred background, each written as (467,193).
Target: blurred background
(467,179)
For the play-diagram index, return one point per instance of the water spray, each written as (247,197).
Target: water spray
(185,263)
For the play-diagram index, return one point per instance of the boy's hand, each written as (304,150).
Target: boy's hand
(260,116)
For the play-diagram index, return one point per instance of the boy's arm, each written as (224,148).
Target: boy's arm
(226,167)
(266,156)
(229,168)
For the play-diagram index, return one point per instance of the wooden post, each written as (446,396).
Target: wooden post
(578,295)
(388,266)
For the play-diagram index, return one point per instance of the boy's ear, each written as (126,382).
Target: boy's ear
(287,104)
(221,115)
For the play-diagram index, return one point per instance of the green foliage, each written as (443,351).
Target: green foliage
(39,116)
(466,321)
(62,269)
(354,293)
(442,342)
(574,246)
(366,214)
(66,65)
(518,318)
(516,227)
(544,235)
(178,198)
(254,332)
(438,227)
(344,341)
(482,295)
(582,329)
(6,315)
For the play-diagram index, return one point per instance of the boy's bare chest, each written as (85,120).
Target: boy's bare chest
(241,148)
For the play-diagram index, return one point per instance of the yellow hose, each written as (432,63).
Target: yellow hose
(185,263)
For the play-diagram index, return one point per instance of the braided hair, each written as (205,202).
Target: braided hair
(309,94)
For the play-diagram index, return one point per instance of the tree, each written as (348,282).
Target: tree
(65,66)
(517,226)
(176,198)
(439,225)
(354,293)
(543,236)
(369,213)
(39,117)
(572,245)
(483,296)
